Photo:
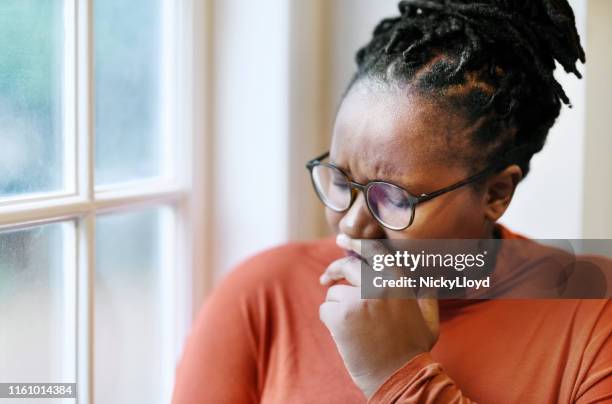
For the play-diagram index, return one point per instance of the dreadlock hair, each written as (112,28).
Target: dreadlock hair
(493,60)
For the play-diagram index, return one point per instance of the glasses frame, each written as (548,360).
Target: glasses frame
(414,200)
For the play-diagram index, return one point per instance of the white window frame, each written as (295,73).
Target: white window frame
(184,191)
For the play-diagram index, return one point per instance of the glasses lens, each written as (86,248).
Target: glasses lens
(332,186)
(390,205)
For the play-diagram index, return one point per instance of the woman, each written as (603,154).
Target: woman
(443,92)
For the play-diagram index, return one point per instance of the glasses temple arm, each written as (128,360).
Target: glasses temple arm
(473,178)
(315,160)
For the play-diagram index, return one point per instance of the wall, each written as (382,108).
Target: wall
(597,175)
(250,129)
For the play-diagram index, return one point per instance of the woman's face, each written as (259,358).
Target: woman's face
(404,139)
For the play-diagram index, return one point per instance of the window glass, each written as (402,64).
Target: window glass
(128,119)
(132,362)
(31,96)
(38,304)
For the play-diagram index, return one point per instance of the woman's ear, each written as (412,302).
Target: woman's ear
(499,191)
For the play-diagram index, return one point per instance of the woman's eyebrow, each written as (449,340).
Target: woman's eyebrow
(400,181)
(401,178)
(393,176)
(346,170)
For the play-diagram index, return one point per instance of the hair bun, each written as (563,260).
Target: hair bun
(555,20)
(548,25)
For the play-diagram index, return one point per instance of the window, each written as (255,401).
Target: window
(95,258)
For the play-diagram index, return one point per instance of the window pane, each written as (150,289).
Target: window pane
(31,81)
(133,351)
(128,56)
(38,301)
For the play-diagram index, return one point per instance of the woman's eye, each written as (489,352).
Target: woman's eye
(341,184)
(402,203)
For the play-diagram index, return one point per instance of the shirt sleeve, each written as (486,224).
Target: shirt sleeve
(219,363)
(421,380)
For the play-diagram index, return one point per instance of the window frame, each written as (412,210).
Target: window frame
(183,190)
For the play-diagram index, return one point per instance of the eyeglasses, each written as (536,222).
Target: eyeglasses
(391,205)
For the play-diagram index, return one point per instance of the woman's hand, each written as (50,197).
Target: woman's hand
(375,337)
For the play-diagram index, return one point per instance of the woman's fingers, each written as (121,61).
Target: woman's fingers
(338,300)
(348,268)
(374,247)
(342,293)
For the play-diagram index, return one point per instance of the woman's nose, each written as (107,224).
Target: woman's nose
(358,222)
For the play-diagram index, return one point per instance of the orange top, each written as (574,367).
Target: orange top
(259,339)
